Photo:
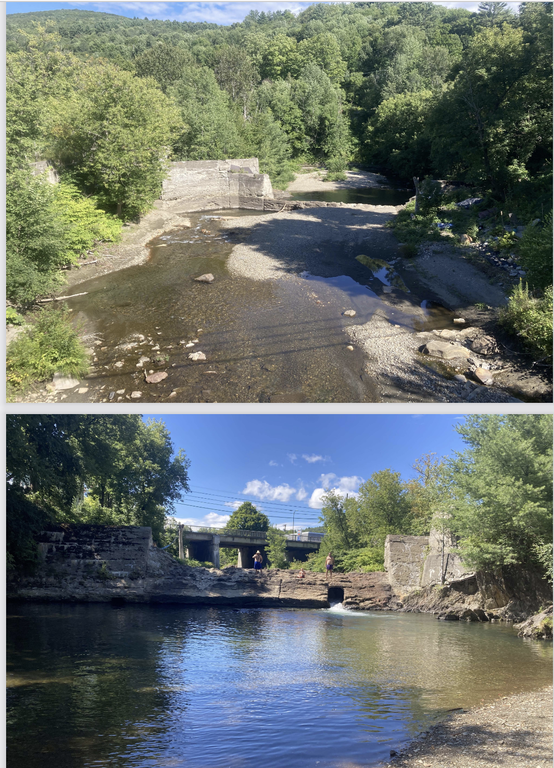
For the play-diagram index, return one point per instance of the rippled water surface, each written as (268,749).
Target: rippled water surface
(91,685)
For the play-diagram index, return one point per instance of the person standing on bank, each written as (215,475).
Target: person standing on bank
(329,563)
(258,559)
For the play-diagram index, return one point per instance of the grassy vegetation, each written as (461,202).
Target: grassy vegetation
(50,345)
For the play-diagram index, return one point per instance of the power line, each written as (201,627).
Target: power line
(226,494)
(308,516)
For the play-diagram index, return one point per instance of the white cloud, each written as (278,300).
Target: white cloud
(211,520)
(342,486)
(233,504)
(301,493)
(273,463)
(292,457)
(312,458)
(261,489)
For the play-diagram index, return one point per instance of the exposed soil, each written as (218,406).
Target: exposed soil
(514,732)
(314,181)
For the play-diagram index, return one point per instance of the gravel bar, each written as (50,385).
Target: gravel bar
(513,732)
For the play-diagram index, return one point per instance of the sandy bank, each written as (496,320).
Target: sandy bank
(513,732)
(313,181)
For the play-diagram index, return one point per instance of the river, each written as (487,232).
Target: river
(142,686)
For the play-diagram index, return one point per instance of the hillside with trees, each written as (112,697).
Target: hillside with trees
(411,89)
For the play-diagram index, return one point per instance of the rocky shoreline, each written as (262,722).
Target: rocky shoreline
(513,732)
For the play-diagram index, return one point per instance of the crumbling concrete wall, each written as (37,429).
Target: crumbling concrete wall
(413,562)
(404,561)
(79,549)
(42,167)
(201,185)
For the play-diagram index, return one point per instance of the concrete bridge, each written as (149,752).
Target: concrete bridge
(205,545)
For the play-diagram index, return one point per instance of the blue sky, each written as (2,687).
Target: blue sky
(218,13)
(284,463)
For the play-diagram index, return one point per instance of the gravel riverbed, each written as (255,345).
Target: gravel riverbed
(513,732)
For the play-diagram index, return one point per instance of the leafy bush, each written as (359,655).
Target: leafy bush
(530,318)
(50,345)
(535,248)
(12,318)
(430,195)
(85,223)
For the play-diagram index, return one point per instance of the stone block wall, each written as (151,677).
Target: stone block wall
(405,560)
(201,185)
(78,548)
(413,562)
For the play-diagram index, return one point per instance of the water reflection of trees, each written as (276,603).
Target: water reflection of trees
(89,683)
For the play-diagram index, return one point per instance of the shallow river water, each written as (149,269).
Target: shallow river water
(145,686)
(278,340)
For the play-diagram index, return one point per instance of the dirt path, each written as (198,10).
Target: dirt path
(514,732)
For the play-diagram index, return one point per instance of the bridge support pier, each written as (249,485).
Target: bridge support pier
(215,551)
(242,561)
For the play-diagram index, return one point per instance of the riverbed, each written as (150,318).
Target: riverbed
(91,685)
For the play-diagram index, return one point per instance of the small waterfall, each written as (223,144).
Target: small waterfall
(338,608)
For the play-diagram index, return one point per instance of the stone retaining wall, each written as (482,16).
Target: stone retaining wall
(73,550)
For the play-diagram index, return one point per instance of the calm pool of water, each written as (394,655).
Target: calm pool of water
(91,685)
(368,195)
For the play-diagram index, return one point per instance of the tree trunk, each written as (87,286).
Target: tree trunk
(416,185)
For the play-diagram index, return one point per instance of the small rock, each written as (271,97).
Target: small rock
(155,378)
(460,377)
(120,392)
(135,395)
(190,344)
(350,347)
(349,312)
(466,239)
(82,390)
(111,396)
(119,364)
(173,394)
(197,356)
(459,320)
(207,278)
(61,381)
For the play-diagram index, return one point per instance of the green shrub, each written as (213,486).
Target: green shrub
(85,223)
(430,195)
(12,318)
(49,346)
(530,318)
(535,250)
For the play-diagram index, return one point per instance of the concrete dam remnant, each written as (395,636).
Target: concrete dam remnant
(200,185)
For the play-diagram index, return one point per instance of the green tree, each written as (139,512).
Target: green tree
(209,130)
(397,135)
(265,139)
(93,468)
(426,493)
(536,253)
(382,507)
(338,535)
(502,489)
(235,73)
(275,549)
(247,518)
(165,63)
(113,134)
(36,238)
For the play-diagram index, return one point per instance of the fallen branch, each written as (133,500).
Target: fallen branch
(61,298)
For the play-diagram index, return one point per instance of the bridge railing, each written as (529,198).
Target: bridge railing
(314,538)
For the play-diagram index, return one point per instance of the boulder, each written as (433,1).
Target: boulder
(469,202)
(483,376)
(207,278)
(445,350)
(484,345)
(197,356)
